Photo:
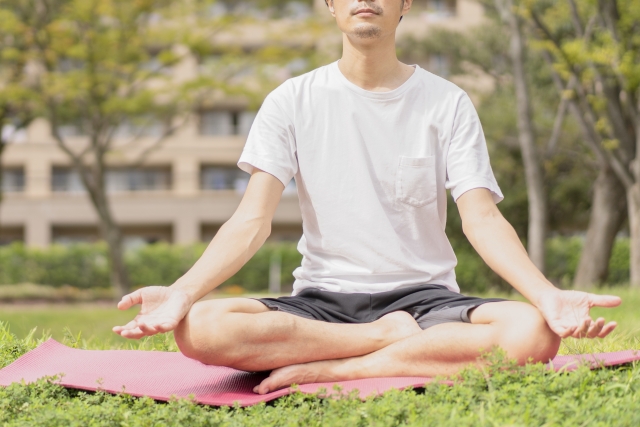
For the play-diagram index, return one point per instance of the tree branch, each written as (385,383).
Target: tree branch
(606,157)
(159,141)
(575,18)
(557,127)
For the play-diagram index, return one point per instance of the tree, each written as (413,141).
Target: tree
(538,219)
(593,53)
(102,64)
(498,49)
(16,106)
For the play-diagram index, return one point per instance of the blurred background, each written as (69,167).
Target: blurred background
(122,121)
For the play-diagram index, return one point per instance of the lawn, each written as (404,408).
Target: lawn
(498,395)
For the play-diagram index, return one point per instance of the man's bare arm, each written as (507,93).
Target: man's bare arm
(162,308)
(567,312)
(237,240)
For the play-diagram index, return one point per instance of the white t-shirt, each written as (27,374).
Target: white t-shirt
(371,169)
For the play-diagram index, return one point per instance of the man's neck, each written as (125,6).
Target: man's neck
(374,65)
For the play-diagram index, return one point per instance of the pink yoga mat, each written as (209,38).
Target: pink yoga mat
(161,375)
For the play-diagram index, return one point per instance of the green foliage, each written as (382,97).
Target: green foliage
(498,394)
(569,167)
(86,265)
(563,255)
(108,65)
(619,264)
(81,265)
(161,264)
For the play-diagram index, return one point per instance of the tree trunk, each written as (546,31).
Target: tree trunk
(2,146)
(538,216)
(1,167)
(109,229)
(633,201)
(608,212)
(119,277)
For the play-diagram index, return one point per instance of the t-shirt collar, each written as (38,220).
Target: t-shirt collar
(376,95)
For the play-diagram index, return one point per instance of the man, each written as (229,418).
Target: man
(373,145)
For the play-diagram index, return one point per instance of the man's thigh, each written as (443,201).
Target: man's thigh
(214,308)
(207,324)
(519,329)
(507,312)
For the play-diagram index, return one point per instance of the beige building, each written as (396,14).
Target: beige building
(187,189)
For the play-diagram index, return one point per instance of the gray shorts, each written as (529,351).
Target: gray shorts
(428,304)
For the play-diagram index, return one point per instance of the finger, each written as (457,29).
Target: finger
(166,327)
(595,328)
(582,328)
(606,330)
(128,327)
(562,331)
(131,325)
(130,300)
(132,334)
(147,328)
(604,300)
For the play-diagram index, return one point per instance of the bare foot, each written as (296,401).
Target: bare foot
(304,373)
(393,327)
(397,325)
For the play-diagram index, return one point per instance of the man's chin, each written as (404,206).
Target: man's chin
(367,31)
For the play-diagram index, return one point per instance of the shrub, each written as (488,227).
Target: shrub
(161,263)
(85,266)
(563,255)
(81,265)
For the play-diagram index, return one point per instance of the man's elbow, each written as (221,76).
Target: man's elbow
(482,220)
(254,225)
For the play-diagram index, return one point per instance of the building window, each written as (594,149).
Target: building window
(13,180)
(140,127)
(10,235)
(436,6)
(290,189)
(245,120)
(12,134)
(66,180)
(138,179)
(71,130)
(225,123)
(435,10)
(223,178)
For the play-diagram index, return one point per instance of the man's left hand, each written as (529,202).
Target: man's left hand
(567,313)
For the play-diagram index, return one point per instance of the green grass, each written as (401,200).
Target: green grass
(499,395)
(93,321)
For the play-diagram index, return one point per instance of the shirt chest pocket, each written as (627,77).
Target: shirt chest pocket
(416,181)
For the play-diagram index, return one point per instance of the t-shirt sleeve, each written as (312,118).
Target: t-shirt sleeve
(467,159)
(271,144)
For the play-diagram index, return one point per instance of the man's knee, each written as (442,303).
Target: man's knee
(201,334)
(189,334)
(521,331)
(528,337)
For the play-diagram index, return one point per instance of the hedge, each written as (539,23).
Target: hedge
(86,265)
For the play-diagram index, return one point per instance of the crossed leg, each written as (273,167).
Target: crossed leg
(244,334)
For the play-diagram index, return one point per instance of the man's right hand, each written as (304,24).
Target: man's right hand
(162,308)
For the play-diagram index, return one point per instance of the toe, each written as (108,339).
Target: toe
(267,385)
